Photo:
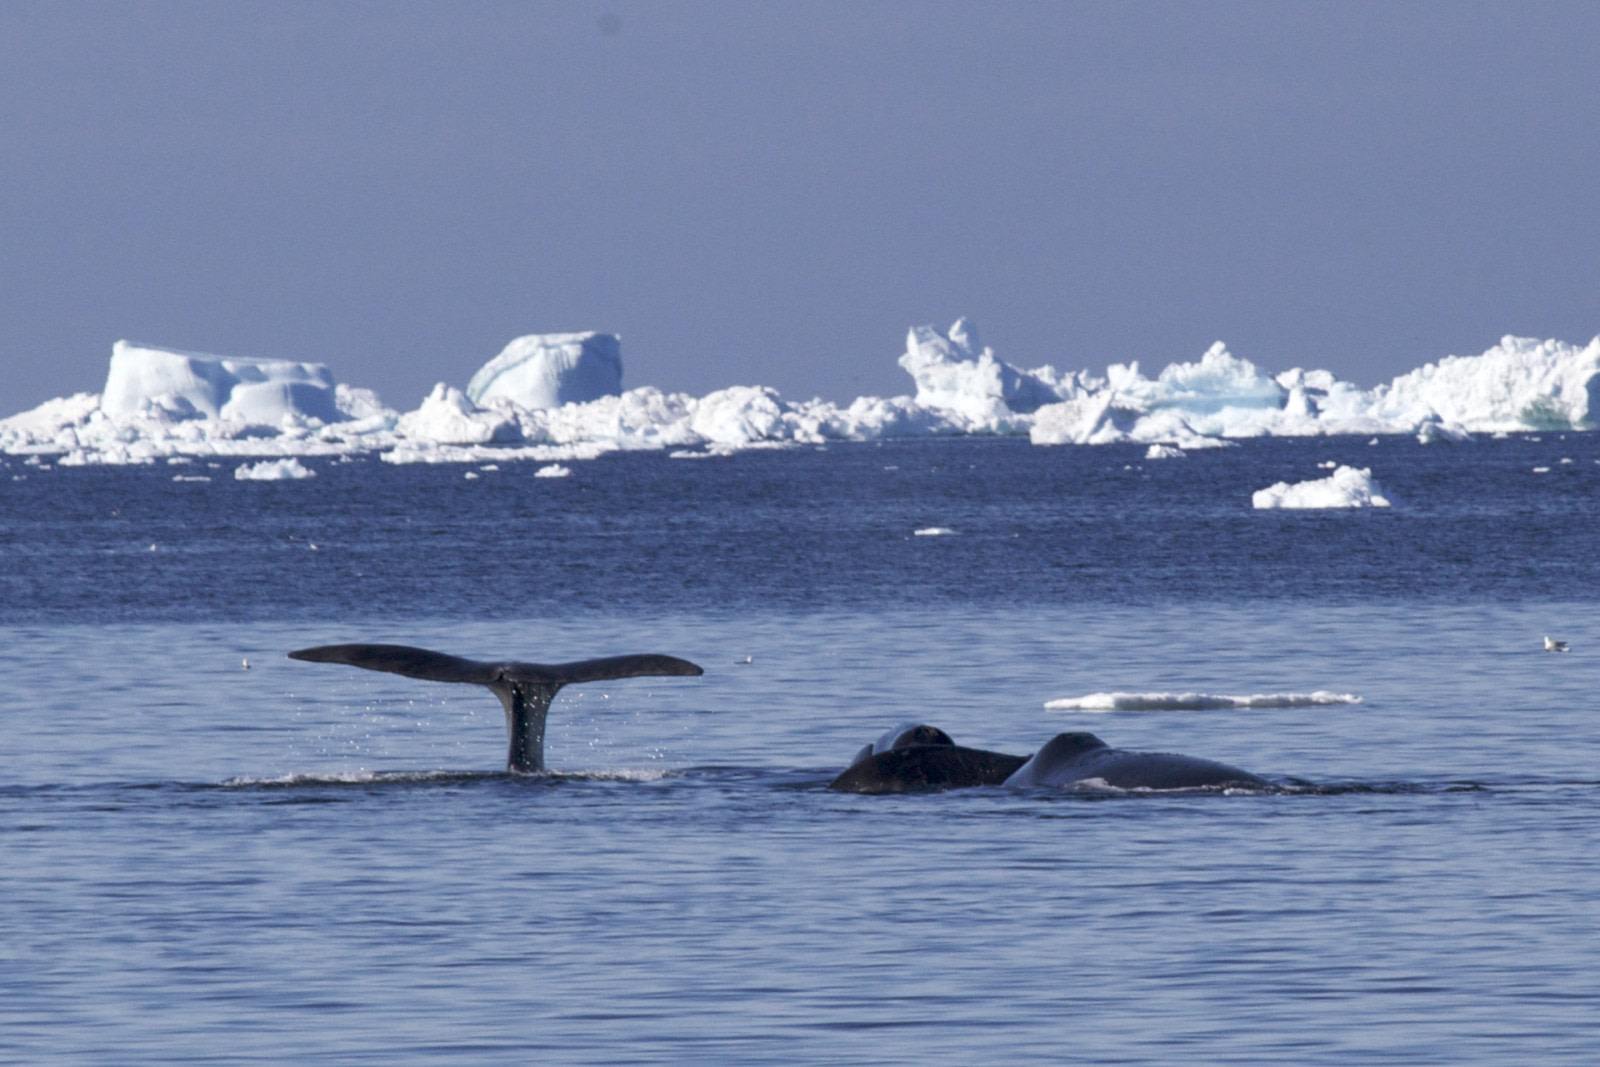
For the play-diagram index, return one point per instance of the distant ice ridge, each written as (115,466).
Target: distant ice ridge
(1346,487)
(1197,701)
(558,397)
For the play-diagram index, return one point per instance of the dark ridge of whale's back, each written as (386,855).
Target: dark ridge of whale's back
(927,767)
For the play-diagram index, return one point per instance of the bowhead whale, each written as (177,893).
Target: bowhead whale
(525,689)
(1067,759)
(914,757)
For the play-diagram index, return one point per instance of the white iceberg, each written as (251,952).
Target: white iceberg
(1346,487)
(954,373)
(448,417)
(1520,384)
(274,470)
(258,392)
(547,370)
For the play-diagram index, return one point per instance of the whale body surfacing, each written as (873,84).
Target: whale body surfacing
(918,757)
(1074,758)
(525,689)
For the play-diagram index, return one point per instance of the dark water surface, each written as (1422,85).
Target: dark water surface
(205,863)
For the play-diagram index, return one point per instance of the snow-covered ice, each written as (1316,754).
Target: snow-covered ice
(274,470)
(1346,487)
(557,398)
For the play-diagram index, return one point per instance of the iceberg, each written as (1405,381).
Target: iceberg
(1346,487)
(1520,384)
(954,373)
(551,369)
(555,398)
(182,385)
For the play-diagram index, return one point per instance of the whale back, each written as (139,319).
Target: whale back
(1071,758)
(904,736)
(913,768)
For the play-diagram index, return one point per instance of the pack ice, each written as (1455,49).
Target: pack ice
(559,397)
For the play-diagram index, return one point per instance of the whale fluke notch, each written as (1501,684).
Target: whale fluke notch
(525,689)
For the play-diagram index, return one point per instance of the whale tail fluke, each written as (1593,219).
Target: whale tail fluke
(525,689)
(440,667)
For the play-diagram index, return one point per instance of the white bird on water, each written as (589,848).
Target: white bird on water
(1551,645)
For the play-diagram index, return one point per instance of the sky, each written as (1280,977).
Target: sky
(755,193)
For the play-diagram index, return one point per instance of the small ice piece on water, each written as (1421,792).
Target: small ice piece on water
(553,470)
(1346,487)
(933,531)
(274,470)
(1160,701)
(1164,452)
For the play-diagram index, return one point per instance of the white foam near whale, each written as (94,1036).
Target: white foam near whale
(1179,701)
(558,397)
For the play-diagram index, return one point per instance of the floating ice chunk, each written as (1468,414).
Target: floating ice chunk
(1218,382)
(1519,384)
(954,372)
(1433,429)
(551,369)
(260,392)
(274,470)
(1164,452)
(933,531)
(1197,701)
(553,470)
(448,417)
(1346,487)
(741,415)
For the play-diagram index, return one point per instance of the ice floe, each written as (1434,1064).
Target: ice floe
(1346,487)
(274,470)
(1160,701)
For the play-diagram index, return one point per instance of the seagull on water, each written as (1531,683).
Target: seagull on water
(1551,645)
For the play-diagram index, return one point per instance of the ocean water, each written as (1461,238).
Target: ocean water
(206,862)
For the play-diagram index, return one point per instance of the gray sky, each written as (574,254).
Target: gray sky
(771,193)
